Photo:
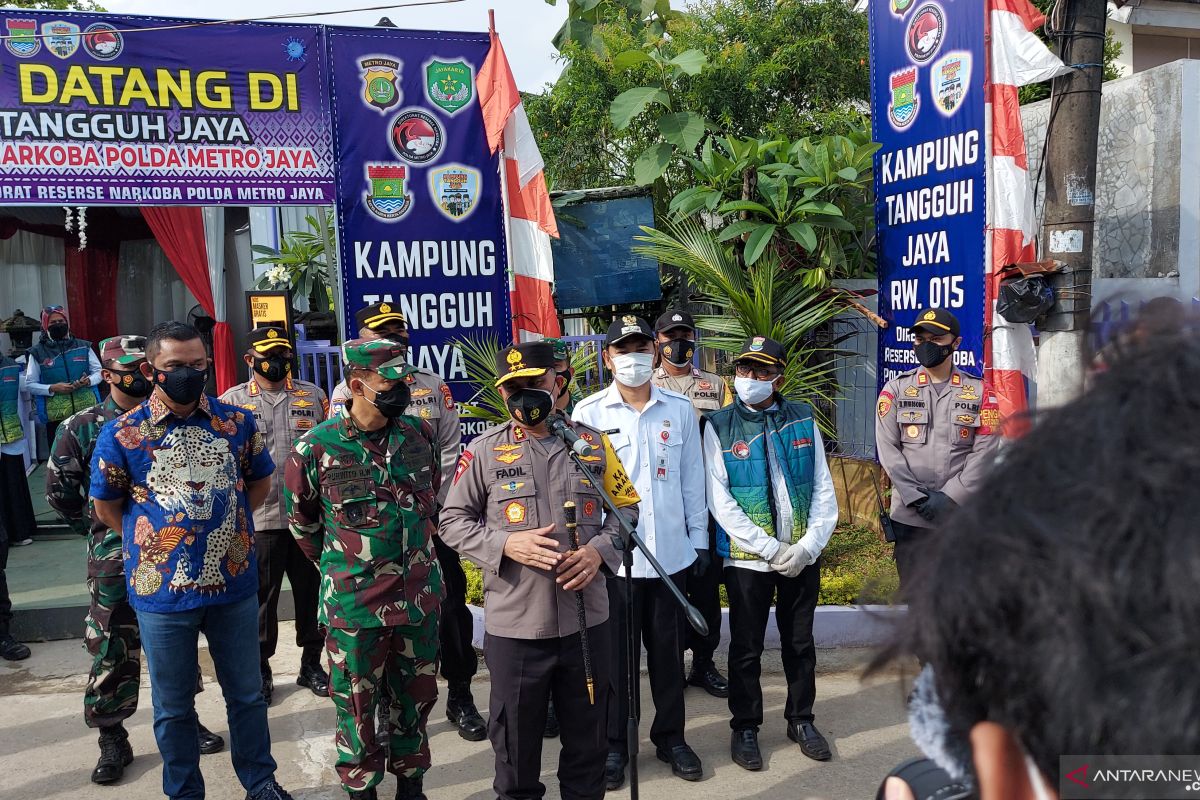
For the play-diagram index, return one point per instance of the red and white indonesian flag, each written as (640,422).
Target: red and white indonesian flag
(527,204)
(1016,58)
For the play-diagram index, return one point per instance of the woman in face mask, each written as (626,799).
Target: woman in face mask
(61,371)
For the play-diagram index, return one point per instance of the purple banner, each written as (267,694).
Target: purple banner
(99,109)
(419,202)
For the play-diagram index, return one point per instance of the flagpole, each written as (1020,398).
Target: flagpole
(505,206)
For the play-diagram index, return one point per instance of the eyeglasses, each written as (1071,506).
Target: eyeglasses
(761,373)
(52,309)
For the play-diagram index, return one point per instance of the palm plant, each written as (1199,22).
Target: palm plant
(302,263)
(762,299)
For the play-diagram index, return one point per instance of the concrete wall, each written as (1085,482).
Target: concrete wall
(1148,181)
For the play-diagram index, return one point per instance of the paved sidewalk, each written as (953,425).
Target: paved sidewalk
(47,752)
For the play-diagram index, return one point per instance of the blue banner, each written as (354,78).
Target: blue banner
(927,111)
(418,195)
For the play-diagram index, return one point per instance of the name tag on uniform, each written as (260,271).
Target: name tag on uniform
(662,463)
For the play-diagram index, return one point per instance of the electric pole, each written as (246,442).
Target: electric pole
(1069,211)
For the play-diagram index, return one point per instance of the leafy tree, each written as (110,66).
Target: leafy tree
(56,5)
(746,68)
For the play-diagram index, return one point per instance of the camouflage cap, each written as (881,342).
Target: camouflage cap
(561,351)
(377,355)
(127,349)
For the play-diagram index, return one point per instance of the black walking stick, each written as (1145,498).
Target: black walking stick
(573,537)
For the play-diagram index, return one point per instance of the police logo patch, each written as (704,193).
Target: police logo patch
(102,41)
(885,404)
(464,461)
(925,32)
(740,450)
(380,88)
(509,458)
(514,512)
(589,508)
(964,433)
(705,385)
(416,136)
(447,397)
(912,431)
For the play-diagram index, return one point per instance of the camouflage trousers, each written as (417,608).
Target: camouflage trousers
(387,671)
(111,637)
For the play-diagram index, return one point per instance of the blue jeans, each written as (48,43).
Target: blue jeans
(169,641)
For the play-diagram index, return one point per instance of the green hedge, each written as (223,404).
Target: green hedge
(856,567)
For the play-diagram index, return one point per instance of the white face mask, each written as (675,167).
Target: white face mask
(633,369)
(751,391)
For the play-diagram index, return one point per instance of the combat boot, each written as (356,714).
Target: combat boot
(410,788)
(362,794)
(11,649)
(461,711)
(115,754)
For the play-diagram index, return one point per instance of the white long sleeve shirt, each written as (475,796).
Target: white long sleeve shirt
(822,512)
(19,447)
(33,375)
(660,450)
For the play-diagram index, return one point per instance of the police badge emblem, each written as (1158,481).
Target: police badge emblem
(380,76)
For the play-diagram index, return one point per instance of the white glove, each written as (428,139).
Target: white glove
(780,557)
(796,558)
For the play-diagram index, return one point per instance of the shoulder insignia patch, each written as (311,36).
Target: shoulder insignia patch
(509,458)
(464,461)
(885,404)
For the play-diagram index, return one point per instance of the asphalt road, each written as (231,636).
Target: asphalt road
(46,751)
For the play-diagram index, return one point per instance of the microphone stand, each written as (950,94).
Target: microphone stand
(630,540)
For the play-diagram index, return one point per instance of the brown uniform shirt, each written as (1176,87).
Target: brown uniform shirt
(432,402)
(706,390)
(282,417)
(934,438)
(507,481)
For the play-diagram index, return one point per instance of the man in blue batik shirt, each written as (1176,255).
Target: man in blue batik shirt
(180,476)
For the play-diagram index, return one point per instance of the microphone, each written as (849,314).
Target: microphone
(559,427)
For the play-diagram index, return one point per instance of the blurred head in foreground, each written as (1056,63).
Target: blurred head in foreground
(1058,613)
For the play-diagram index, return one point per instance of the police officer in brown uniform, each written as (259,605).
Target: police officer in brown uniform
(935,430)
(676,334)
(284,409)
(431,401)
(505,513)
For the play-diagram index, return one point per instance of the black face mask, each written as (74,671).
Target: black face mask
(930,354)
(530,406)
(183,385)
(678,351)
(131,382)
(567,375)
(273,369)
(393,401)
(58,330)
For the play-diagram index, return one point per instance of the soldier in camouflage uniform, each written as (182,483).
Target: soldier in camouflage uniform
(570,394)
(430,399)
(361,494)
(111,628)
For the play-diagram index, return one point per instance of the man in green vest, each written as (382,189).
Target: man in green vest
(771,493)
(16,510)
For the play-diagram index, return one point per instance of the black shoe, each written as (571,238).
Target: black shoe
(210,742)
(614,771)
(743,747)
(551,731)
(709,679)
(363,794)
(115,754)
(12,650)
(271,791)
(313,677)
(811,742)
(683,760)
(409,788)
(461,711)
(268,687)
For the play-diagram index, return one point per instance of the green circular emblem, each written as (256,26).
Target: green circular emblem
(382,90)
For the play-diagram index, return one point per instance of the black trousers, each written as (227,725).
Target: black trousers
(658,623)
(910,542)
(751,594)
(526,674)
(279,555)
(705,594)
(5,600)
(16,507)
(459,662)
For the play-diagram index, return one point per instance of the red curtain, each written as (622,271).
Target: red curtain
(91,291)
(180,232)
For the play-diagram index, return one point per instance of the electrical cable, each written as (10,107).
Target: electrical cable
(289,15)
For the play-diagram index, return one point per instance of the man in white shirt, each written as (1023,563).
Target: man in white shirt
(771,493)
(655,434)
